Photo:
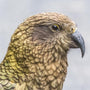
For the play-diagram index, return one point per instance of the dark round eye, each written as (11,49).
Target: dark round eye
(55,27)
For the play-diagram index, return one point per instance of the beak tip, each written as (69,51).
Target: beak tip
(83,48)
(82,55)
(83,52)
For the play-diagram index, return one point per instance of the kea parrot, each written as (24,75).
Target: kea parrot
(36,58)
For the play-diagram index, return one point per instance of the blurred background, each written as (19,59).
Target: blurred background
(13,12)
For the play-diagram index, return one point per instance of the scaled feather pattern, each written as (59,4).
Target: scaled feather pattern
(36,58)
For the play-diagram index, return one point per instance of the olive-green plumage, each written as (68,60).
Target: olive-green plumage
(37,55)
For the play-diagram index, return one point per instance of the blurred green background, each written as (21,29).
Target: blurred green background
(13,12)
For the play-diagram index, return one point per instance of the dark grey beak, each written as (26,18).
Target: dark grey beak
(79,41)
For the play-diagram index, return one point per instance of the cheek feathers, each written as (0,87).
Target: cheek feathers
(41,33)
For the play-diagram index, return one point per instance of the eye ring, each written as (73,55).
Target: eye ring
(55,27)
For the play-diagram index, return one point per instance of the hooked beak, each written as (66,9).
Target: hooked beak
(78,41)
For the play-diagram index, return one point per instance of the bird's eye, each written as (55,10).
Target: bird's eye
(55,27)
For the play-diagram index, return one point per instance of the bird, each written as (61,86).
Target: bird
(36,58)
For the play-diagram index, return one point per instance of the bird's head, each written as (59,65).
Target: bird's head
(56,29)
(47,32)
